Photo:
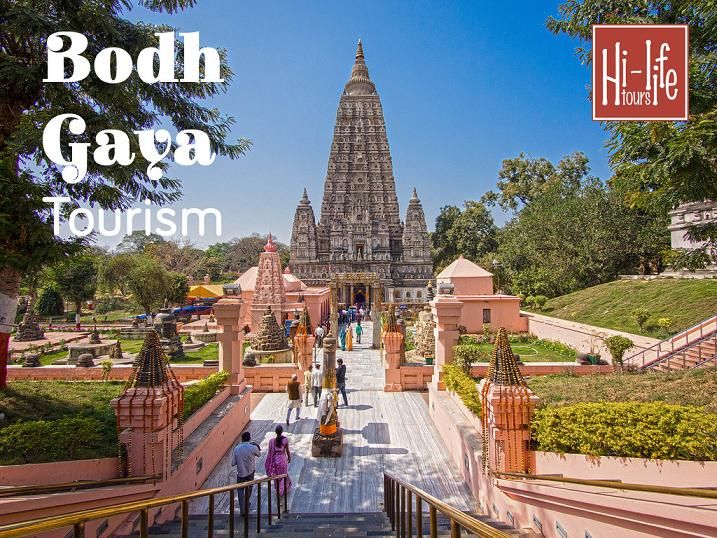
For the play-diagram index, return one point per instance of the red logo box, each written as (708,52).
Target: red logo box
(640,72)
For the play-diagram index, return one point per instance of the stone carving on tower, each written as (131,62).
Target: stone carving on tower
(416,245)
(303,235)
(359,227)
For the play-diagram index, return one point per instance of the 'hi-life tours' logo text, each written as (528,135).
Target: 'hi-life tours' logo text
(640,72)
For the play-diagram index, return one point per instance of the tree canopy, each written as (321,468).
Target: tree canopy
(660,165)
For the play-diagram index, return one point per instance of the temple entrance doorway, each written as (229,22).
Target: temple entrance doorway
(359,296)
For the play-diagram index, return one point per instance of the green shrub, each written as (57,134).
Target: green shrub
(464,385)
(641,316)
(617,346)
(197,394)
(652,430)
(468,339)
(409,342)
(539,301)
(665,324)
(49,303)
(564,351)
(467,354)
(521,338)
(40,441)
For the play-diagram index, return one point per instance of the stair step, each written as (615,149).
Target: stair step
(363,524)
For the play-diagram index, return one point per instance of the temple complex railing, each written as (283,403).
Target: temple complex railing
(398,503)
(680,343)
(77,520)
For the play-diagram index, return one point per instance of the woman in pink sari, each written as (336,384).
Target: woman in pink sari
(278,459)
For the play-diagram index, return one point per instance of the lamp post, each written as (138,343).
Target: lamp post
(496,271)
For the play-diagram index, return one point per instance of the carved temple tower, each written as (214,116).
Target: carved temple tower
(360,228)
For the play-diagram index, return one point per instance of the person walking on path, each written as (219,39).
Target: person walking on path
(341,380)
(244,458)
(319,333)
(349,338)
(293,389)
(316,381)
(342,337)
(307,383)
(278,460)
(359,332)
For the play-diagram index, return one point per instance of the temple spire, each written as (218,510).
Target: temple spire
(359,83)
(304,198)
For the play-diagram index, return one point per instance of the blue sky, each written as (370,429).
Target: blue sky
(464,85)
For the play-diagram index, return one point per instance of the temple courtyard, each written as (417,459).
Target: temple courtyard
(383,431)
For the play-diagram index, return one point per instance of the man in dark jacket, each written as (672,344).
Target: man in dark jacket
(341,380)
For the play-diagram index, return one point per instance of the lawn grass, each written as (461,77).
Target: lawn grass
(685,302)
(530,352)
(697,386)
(208,352)
(52,400)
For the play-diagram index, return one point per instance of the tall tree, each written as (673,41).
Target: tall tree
(470,232)
(522,179)
(27,241)
(76,279)
(572,237)
(661,164)
(148,282)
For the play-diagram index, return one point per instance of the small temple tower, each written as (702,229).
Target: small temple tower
(416,245)
(507,408)
(303,235)
(269,290)
(269,282)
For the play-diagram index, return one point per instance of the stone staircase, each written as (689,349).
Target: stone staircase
(692,348)
(317,525)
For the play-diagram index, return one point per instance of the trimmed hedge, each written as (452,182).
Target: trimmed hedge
(41,441)
(465,386)
(652,430)
(559,348)
(197,394)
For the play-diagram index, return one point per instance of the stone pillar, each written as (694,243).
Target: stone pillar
(231,337)
(446,311)
(376,314)
(304,346)
(328,366)
(146,424)
(508,412)
(392,345)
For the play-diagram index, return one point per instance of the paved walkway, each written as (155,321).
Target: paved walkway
(382,431)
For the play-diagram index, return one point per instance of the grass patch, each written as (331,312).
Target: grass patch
(684,302)
(57,420)
(694,387)
(537,351)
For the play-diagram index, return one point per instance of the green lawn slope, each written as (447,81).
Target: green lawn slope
(685,302)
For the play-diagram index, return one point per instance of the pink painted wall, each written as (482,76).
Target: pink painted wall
(469,285)
(184,373)
(602,512)
(415,377)
(58,472)
(270,377)
(504,312)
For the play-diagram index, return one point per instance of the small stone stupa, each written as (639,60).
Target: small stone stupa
(28,329)
(270,336)
(270,343)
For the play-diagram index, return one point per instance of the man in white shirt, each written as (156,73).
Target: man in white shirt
(319,333)
(244,458)
(316,381)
